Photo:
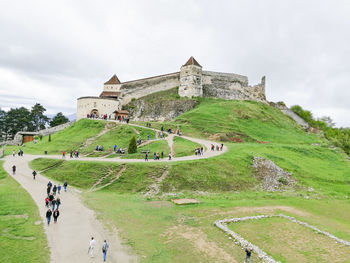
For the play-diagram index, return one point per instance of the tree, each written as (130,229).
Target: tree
(38,119)
(18,119)
(3,126)
(132,145)
(58,120)
(328,121)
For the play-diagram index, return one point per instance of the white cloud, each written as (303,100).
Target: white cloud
(56,51)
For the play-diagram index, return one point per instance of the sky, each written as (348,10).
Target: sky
(52,52)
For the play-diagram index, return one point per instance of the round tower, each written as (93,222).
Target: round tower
(191,79)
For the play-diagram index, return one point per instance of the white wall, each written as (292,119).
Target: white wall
(104,106)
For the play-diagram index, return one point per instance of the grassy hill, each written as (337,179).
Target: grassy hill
(226,185)
(21,240)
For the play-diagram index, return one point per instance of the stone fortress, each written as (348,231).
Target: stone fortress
(191,81)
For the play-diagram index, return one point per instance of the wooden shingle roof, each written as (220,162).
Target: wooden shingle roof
(113,80)
(192,61)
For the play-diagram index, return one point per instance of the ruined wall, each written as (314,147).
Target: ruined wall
(231,87)
(104,106)
(140,88)
(55,129)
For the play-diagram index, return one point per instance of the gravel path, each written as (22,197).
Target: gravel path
(69,238)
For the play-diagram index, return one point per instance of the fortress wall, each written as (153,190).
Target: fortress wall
(104,106)
(55,129)
(142,87)
(231,87)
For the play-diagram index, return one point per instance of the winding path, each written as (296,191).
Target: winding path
(68,240)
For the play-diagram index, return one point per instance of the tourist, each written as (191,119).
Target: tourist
(48,190)
(53,203)
(56,214)
(54,190)
(202,149)
(46,201)
(71,154)
(65,186)
(48,216)
(13,153)
(248,252)
(148,137)
(58,202)
(59,189)
(34,174)
(162,154)
(76,154)
(115,147)
(92,247)
(14,169)
(169,156)
(105,247)
(154,156)
(63,154)
(221,147)
(146,157)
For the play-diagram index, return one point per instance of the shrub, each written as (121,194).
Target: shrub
(49,137)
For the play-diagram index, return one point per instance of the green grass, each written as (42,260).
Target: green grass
(290,242)
(68,139)
(120,135)
(155,228)
(20,239)
(183,147)
(247,120)
(81,174)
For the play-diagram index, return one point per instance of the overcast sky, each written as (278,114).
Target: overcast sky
(53,52)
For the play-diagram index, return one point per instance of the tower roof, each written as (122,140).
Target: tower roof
(113,80)
(192,61)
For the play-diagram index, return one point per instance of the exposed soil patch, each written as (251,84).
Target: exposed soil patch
(201,243)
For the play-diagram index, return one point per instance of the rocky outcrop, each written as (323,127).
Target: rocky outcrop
(272,177)
(282,107)
(159,106)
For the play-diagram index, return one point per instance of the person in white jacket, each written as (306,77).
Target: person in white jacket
(92,247)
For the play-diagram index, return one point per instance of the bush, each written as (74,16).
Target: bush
(132,145)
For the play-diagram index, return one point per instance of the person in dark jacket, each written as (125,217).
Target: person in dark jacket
(65,186)
(53,203)
(14,169)
(34,174)
(248,252)
(54,189)
(48,216)
(55,215)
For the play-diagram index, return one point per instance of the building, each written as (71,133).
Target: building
(191,80)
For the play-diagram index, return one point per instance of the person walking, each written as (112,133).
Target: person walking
(14,169)
(34,174)
(169,156)
(53,203)
(146,157)
(92,247)
(58,202)
(54,190)
(13,153)
(59,189)
(105,247)
(248,252)
(48,190)
(48,216)
(63,154)
(65,186)
(55,215)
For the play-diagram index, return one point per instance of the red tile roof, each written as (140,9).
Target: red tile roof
(113,80)
(192,61)
(110,94)
(121,111)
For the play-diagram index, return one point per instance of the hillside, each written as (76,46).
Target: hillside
(135,196)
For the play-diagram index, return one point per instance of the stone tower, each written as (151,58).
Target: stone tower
(191,79)
(113,84)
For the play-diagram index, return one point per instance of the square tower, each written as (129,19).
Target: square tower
(191,79)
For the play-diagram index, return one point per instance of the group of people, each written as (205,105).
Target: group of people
(217,147)
(20,153)
(74,154)
(199,151)
(157,156)
(52,202)
(92,246)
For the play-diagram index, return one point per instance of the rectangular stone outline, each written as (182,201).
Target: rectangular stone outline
(239,240)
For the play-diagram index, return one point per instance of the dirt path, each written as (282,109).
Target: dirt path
(69,238)
(154,188)
(115,178)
